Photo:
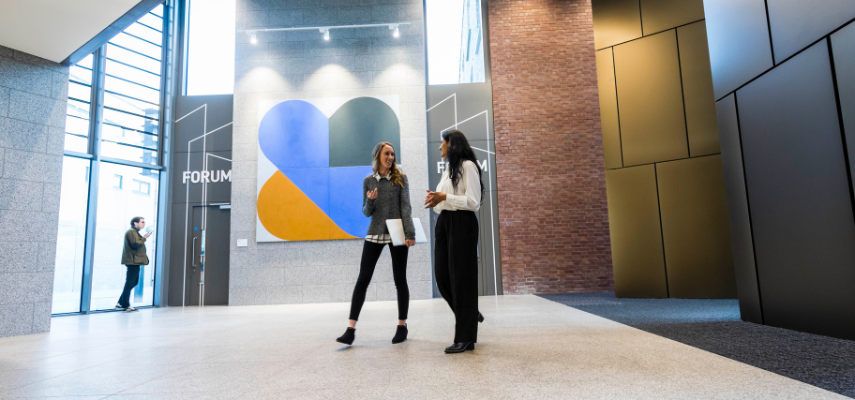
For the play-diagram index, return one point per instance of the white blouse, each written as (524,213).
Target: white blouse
(467,196)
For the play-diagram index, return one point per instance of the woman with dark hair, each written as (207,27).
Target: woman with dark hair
(386,195)
(457,198)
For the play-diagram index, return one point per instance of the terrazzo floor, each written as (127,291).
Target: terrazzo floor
(529,348)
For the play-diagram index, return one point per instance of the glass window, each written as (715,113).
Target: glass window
(78,109)
(142,187)
(454,41)
(128,101)
(74,200)
(132,91)
(211,47)
(116,208)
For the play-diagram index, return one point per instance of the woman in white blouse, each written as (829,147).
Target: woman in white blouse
(457,198)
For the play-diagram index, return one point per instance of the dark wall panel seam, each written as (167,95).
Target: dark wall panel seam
(640,18)
(617,106)
(651,34)
(661,231)
(787,59)
(683,93)
(842,126)
(769,28)
(748,206)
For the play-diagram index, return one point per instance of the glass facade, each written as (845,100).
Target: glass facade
(455,42)
(112,168)
(211,47)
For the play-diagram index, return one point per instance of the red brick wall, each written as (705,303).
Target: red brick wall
(549,150)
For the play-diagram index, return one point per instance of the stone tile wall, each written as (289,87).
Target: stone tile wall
(301,65)
(33,98)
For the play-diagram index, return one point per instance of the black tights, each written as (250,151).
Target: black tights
(370,255)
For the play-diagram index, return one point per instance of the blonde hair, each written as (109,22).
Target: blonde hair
(396,175)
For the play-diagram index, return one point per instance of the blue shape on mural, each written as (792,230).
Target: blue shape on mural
(314,183)
(295,134)
(346,199)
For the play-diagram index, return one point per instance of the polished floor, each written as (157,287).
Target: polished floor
(529,348)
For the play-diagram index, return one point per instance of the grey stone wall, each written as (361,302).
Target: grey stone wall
(33,98)
(301,65)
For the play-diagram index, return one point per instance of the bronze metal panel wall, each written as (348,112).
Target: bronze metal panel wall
(636,236)
(799,195)
(651,100)
(843,47)
(659,15)
(609,109)
(615,21)
(738,38)
(798,23)
(739,217)
(694,228)
(698,90)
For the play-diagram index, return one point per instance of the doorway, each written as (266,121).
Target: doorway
(207,275)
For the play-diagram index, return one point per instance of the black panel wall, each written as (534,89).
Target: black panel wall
(783,73)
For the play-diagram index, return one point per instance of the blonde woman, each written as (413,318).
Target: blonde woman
(386,196)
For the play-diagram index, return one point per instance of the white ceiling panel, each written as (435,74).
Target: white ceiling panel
(53,29)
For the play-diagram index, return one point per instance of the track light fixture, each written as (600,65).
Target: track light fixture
(253,37)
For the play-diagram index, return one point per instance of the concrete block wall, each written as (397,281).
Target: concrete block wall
(33,99)
(301,65)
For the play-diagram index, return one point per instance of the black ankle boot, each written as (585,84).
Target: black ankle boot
(460,347)
(480,317)
(400,334)
(348,336)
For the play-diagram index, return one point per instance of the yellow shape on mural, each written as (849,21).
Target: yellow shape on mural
(287,213)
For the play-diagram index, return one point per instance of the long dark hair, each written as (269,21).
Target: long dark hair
(459,151)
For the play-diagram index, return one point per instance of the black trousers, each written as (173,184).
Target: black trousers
(370,255)
(456,269)
(131,280)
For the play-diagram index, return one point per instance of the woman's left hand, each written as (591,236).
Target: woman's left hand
(434,198)
(410,242)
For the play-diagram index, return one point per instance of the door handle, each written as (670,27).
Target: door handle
(193,254)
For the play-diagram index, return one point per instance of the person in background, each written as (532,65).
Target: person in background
(386,196)
(133,255)
(457,198)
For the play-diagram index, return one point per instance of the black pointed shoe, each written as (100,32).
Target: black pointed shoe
(400,334)
(460,347)
(348,336)
(480,317)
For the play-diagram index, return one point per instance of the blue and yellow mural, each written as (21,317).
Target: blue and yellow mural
(320,161)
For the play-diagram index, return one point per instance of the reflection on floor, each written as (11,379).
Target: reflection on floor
(715,326)
(529,348)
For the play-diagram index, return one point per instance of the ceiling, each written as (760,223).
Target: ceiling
(53,29)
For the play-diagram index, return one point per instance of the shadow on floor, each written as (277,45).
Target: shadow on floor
(715,326)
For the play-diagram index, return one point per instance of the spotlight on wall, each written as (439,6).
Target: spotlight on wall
(253,38)
(326,33)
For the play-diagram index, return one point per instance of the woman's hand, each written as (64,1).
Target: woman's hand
(372,194)
(434,198)
(410,242)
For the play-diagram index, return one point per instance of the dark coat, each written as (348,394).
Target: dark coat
(133,252)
